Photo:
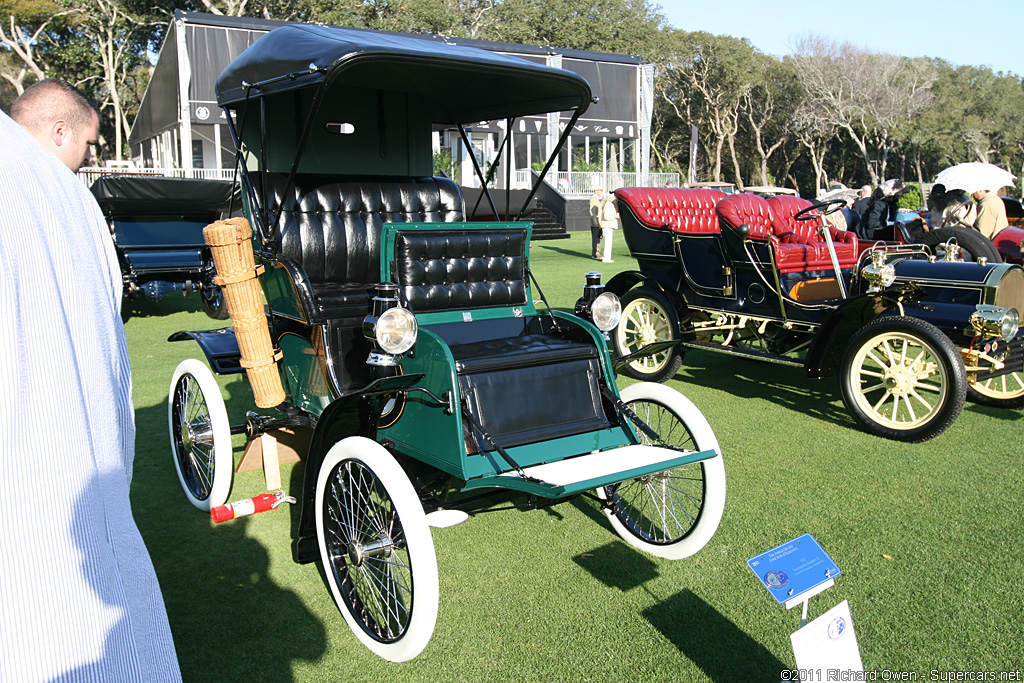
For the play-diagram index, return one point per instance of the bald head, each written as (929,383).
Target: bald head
(63,119)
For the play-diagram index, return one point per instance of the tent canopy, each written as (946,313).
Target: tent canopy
(457,84)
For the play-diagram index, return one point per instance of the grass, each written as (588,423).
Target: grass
(928,537)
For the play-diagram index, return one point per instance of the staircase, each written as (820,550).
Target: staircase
(545,225)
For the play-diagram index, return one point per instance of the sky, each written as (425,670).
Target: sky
(953,31)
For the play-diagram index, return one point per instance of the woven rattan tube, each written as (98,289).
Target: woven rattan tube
(230,244)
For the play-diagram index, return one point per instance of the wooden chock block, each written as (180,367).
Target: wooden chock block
(272,449)
(271,467)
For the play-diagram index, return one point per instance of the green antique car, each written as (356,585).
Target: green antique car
(414,357)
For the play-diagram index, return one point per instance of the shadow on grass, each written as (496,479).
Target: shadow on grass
(617,565)
(721,649)
(230,620)
(784,386)
(997,413)
(143,307)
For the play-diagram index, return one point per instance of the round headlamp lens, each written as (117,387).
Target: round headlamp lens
(396,330)
(605,311)
(1011,323)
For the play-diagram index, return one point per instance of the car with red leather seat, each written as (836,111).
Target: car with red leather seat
(909,335)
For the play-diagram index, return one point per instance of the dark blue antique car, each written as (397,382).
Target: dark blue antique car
(909,335)
(157,225)
(412,353)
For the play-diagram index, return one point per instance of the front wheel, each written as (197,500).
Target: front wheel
(674,513)
(376,549)
(1005,391)
(200,435)
(647,317)
(903,379)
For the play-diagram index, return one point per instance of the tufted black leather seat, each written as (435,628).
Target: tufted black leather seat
(461,270)
(331,229)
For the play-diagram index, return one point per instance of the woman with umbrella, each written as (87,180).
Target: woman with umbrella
(981,181)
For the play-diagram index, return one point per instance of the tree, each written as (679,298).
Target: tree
(620,26)
(768,107)
(706,77)
(864,94)
(23,29)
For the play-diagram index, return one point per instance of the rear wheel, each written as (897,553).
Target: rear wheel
(376,549)
(647,317)
(903,379)
(214,303)
(973,243)
(200,435)
(674,513)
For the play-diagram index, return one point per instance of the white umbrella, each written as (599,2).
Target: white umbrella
(973,176)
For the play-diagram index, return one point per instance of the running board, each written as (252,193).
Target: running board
(746,353)
(587,472)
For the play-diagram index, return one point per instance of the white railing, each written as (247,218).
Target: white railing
(583,183)
(89,174)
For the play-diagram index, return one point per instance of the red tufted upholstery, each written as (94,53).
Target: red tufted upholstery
(785,207)
(754,212)
(684,210)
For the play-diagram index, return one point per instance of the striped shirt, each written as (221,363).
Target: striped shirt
(78,593)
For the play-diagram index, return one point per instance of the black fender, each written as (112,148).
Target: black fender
(220,347)
(355,414)
(627,280)
(825,354)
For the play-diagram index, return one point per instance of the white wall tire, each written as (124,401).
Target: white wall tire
(375,543)
(200,435)
(687,502)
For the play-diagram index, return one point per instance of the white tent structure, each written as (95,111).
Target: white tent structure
(179,125)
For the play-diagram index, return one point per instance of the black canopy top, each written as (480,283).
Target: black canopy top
(155,195)
(459,84)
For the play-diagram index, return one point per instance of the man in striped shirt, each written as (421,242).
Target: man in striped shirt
(78,591)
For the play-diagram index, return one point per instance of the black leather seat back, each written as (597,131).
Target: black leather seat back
(461,269)
(332,228)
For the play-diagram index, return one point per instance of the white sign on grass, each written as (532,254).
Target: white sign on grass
(826,649)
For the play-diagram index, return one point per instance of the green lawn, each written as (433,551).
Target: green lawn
(929,537)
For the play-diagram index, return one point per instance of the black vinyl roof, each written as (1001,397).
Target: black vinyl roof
(460,84)
(143,195)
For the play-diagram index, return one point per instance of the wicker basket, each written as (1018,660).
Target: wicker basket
(230,244)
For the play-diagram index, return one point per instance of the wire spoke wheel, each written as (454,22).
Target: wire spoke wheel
(369,553)
(647,319)
(376,549)
(200,435)
(672,513)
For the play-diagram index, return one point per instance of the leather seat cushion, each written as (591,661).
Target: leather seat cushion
(513,352)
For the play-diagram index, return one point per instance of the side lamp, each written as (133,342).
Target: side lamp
(391,328)
(598,306)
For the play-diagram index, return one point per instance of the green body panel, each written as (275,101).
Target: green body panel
(546,490)
(279,291)
(491,463)
(424,431)
(304,378)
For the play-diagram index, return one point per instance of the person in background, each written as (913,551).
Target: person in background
(609,223)
(596,202)
(950,208)
(991,213)
(78,590)
(876,221)
(860,205)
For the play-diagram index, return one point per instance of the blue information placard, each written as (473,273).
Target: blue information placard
(793,568)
